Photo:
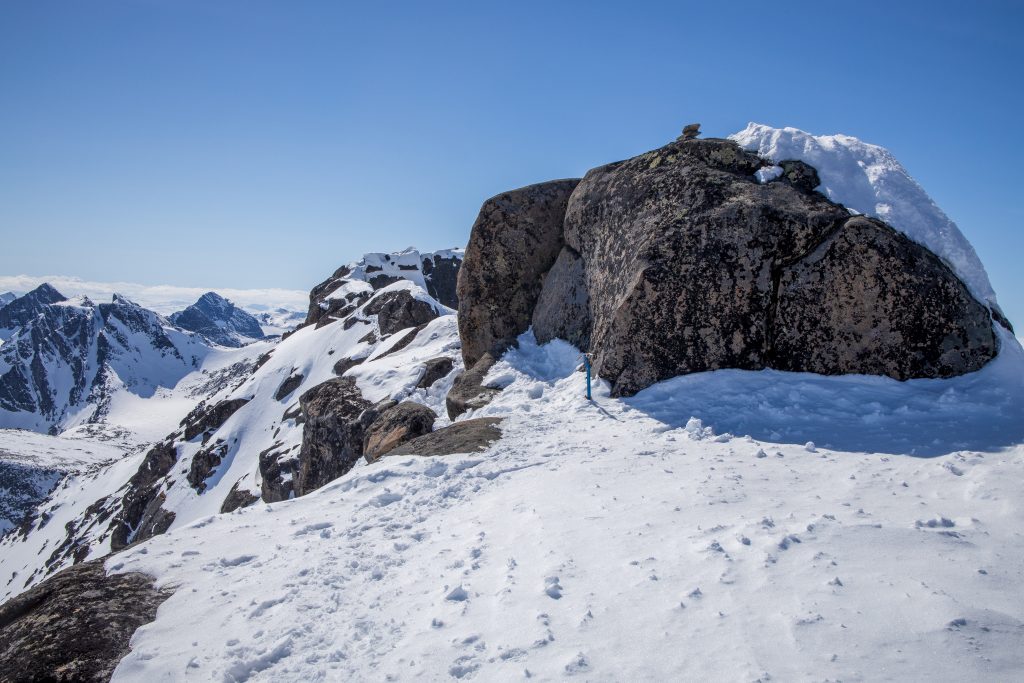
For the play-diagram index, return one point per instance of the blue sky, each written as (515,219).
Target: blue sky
(262,144)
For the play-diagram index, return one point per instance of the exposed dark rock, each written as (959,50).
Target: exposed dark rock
(337,416)
(381,281)
(398,310)
(205,463)
(802,176)
(468,436)
(368,338)
(395,426)
(238,498)
(868,300)
(277,471)
(141,516)
(515,240)
(435,369)
(345,364)
(352,321)
(406,339)
(219,321)
(76,625)
(288,386)
(24,308)
(318,295)
(205,419)
(679,261)
(441,274)
(468,391)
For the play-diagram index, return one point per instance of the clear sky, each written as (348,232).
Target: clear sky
(256,144)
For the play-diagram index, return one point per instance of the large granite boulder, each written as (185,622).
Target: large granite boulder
(395,426)
(468,436)
(680,261)
(515,240)
(75,626)
(337,417)
(869,300)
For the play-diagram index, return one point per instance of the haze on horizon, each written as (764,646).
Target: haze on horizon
(262,144)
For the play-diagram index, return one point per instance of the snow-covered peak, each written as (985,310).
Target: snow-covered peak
(219,321)
(868,179)
(24,308)
(6,298)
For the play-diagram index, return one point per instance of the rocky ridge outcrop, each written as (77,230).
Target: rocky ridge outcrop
(75,626)
(682,260)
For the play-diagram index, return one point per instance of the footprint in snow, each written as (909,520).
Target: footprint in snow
(553,588)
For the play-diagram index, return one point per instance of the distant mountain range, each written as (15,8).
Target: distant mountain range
(63,359)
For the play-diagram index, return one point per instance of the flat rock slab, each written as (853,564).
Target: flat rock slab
(76,625)
(469,436)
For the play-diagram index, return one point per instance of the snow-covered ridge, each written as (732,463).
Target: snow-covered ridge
(868,179)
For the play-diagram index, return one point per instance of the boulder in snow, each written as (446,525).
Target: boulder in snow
(395,426)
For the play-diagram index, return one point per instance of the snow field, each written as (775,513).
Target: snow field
(596,541)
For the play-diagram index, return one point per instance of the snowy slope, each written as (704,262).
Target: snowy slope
(268,423)
(620,540)
(868,179)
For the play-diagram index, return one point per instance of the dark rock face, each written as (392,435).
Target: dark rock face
(514,241)
(318,295)
(205,419)
(468,436)
(23,309)
(237,498)
(76,625)
(395,426)
(398,310)
(345,364)
(205,463)
(288,386)
(802,176)
(277,471)
(435,369)
(910,317)
(468,391)
(141,515)
(679,261)
(219,321)
(337,416)
(441,274)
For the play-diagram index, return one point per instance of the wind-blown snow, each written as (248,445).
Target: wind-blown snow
(868,179)
(621,539)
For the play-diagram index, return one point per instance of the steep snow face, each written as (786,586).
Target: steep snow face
(31,466)
(868,179)
(218,321)
(622,540)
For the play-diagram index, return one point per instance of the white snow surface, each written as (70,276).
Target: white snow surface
(628,539)
(869,179)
